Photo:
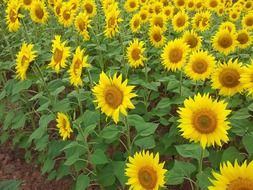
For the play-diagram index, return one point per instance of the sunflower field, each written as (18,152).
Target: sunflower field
(130,94)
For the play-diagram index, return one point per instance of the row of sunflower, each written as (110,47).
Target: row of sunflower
(188,63)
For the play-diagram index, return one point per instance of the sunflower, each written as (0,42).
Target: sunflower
(60,54)
(192,39)
(213,4)
(57,8)
(247,21)
(224,41)
(180,21)
(90,8)
(248,5)
(135,23)
(201,21)
(233,177)
(247,78)
(158,7)
(156,36)
(24,58)
(82,23)
(12,15)
(67,15)
(230,26)
(113,96)
(64,126)
(78,63)
(145,172)
(168,11)
(226,78)
(220,10)
(112,21)
(135,53)
(159,20)
(234,15)
(204,120)
(180,3)
(244,38)
(144,14)
(131,5)
(75,4)
(199,5)
(39,12)
(26,3)
(190,5)
(174,54)
(106,4)
(200,65)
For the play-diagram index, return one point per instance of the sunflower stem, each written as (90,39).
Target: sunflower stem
(146,71)
(90,79)
(200,163)
(123,53)
(79,102)
(181,82)
(128,135)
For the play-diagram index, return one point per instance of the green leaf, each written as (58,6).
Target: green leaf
(82,182)
(19,121)
(8,119)
(240,114)
(10,184)
(191,151)
(231,154)
(106,176)
(247,141)
(146,142)
(21,85)
(72,159)
(48,165)
(250,107)
(203,178)
(88,118)
(99,157)
(110,132)
(179,171)
(118,167)
(61,105)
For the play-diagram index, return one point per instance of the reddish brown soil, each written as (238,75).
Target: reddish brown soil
(13,166)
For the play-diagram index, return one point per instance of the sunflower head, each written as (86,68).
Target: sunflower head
(131,5)
(89,7)
(213,4)
(135,23)
(179,3)
(201,21)
(64,126)
(247,21)
(113,96)
(193,40)
(226,78)
(244,38)
(168,11)
(27,3)
(82,23)
(203,120)
(156,36)
(112,20)
(144,171)
(39,12)
(144,14)
(67,15)
(13,15)
(247,79)
(135,53)
(159,20)
(230,26)
(180,21)
(190,5)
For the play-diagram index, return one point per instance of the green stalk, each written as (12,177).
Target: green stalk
(128,135)
(79,102)
(181,82)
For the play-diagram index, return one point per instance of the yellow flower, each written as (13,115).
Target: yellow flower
(64,125)
(226,78)
(230,26)
(135,23)
(220,10)
(213,4)
(90,8)
(144,14)
(248,5)
(199,5)
(131,5)
(168,11)
(224,41)
(174,55)
(57,8)
(60,54)
(156,36)
(200,65)
(201,21)
(145,172)
(106,4)
(244,38)
(39,12)
(113,96)
(26,3)
(247,78)
(204,120)
(233,177)
(67,15)
(192,39)
(112,21)
(180,21)
(159,20)
(78,63)
(234,15)
(24,58)
(12,15)
(82,23)
(158,7)
(75,5)
(135,53)
(180,3)
(247,21)
(190,5)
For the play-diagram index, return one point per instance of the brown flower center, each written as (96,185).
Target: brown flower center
(158,22)
(66,15)
(143,16)
(24,60)
(213,4)
(249,21)
(81,25)
(190,4)
(147,177)
(136,23)
(132,4)
(27,2)
(39,12)
(58,9)
(180,2)
(89,8)
(113,96)
(77,66)
(204,121)
(242,38)
(175,55)
(13,16)
(234,16)
(225,41)
(157,37)
(248,5)
(167,12)
(240,184)
(111,22)
(192,41)
(180,21)
(198,5)
(136,54)
(58,54)
(199,66)
(229,78)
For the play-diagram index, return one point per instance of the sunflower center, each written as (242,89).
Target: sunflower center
(143,16)
(111,22)
(248,5)
(225,41)
(66,14)
(249,21)
(199,66)
(229,78)
(180,21)
(175,55)
(81,25)
(242,38)
(167,12)
(190,4)
(13,16)
(159,22)
(89,8)
(132,4)
(58,9)
(157,37)
(58,54)
(198,5)
(27,2)
(39,12)
(24,60)
(180,2)
(147,177)
(213,4)
(205,121)
(234,15)
(240,184)
(204,21)
(77,66)
(136,23)
(192,41)
(136,54)
(113,96)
